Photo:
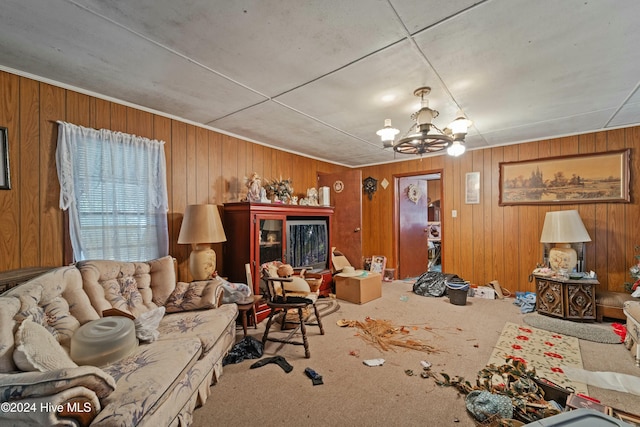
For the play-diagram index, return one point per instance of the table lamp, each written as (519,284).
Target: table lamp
(271,226)
(563,228)
(201,226)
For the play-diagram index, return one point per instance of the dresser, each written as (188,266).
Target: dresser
(565,298)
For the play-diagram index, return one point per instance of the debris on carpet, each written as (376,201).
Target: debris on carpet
(513,380)
(386,336)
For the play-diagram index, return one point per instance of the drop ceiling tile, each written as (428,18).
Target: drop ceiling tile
(269,45)
(278,126)
(351,99)
(420,14)
(629,114)
(523,62)
(94,55)
(588,122)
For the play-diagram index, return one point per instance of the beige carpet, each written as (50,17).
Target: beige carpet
(357,395)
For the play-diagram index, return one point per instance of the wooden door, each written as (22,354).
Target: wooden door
(346,197)
(413,228)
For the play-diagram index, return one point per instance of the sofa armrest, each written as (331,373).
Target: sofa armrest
(197,295)
(23,385)
(76,406)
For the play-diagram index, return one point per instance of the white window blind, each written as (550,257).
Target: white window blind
(114,186)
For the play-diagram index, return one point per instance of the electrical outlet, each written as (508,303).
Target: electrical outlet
(454,213)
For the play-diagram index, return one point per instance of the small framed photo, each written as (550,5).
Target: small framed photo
(378,263)
(472,188)
(5,177)
(435,232)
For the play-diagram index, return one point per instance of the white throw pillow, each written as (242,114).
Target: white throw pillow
(38,350)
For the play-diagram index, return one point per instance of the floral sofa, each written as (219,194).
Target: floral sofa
(632,340)
(157,383)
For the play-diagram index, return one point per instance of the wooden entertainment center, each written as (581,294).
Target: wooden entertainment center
(257,233)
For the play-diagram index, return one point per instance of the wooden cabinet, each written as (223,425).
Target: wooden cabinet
(257,233)
(566,299)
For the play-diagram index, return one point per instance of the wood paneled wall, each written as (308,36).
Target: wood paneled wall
(203,166)
(488,242)
(485,242)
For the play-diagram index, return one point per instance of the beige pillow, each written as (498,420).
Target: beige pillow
(37,350)
(193,296)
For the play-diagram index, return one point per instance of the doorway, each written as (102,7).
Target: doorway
(419,227)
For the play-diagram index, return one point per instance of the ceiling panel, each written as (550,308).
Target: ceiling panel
(395,72)
(278,126)
(508,72)
(629,114)
(269,45)
(95,55)
(309,77)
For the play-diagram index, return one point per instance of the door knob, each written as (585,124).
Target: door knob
(356,230)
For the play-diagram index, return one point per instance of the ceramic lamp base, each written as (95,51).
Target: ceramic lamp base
(563,257)
(202,262)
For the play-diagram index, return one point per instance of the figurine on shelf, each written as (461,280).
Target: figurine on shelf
(254,185)
(312,197)
(263,196)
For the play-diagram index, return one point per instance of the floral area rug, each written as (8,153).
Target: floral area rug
(545,351)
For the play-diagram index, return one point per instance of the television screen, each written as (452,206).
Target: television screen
(307,244)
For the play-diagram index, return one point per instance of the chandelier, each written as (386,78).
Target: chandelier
(424,137)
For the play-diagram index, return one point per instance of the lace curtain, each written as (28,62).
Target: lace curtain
(114,186)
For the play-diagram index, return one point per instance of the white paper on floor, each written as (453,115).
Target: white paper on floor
(609,380)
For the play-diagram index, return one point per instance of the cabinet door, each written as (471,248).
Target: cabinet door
(270,238)
(550,298)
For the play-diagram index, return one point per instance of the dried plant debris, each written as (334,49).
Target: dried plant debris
(386,336)
(514,380)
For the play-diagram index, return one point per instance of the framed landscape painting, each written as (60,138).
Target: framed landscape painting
(582,178)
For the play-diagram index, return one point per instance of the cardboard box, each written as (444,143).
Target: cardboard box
(484,292)
(360,289)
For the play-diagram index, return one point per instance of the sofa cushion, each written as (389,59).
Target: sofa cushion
(132,287)
(146,379)
(33,384)
(206,325)
(37,350)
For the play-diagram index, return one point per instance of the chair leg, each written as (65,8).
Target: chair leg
(283,323)
(266,329)
(303,330)
(315,310)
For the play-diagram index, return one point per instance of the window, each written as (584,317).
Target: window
(114,186)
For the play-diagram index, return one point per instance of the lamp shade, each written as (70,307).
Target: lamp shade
(564,227)
(201,224)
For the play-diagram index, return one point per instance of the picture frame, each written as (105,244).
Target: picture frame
(378,264)
(434,231)
(472,188)
(5,175)
(581,178)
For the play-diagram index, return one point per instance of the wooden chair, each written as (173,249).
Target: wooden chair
(278,301)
